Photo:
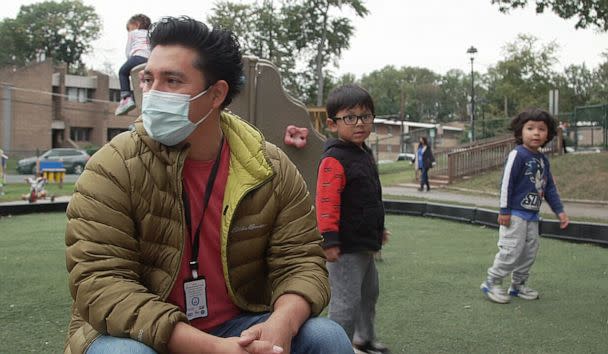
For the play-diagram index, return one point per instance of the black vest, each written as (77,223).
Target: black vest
(361,208)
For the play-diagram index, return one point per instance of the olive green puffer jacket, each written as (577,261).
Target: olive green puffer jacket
(126,228)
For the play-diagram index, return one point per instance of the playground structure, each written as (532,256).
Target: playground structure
(282,119)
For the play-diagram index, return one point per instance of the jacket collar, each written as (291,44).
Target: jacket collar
(248,154)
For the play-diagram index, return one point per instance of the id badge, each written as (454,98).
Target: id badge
(195,291)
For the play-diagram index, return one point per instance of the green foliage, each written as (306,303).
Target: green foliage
(306,30)
(525,76)
(261,31)
(590,13)
(414,92)
(59,30)
(599,93)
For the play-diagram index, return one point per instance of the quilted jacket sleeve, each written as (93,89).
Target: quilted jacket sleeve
(102,256)
(296,261)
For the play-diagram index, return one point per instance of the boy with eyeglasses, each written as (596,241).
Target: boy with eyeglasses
(350,215)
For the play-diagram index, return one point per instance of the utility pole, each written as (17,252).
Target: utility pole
(471,51)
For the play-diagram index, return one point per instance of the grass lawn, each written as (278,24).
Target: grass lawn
(394,173)
(430,300)
(14,192)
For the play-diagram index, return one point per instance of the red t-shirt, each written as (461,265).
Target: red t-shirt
(220,307)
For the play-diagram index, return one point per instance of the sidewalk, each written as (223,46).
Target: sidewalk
(587,209)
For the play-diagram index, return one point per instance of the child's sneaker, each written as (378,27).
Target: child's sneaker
(523,292)
(494,293)
(371,348)
(125,105)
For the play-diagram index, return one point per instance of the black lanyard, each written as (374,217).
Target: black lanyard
(208,191)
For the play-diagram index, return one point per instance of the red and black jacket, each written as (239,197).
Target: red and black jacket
(350,213)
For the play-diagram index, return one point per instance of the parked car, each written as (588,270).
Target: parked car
(73,160)
(405,156)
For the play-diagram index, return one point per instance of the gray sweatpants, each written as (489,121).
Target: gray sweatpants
(354,291)
(517,248)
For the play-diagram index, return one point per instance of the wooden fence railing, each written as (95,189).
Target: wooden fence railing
(473,160)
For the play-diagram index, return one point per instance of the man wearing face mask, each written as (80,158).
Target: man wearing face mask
(192,234)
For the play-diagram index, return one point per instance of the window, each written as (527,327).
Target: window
(114,95)
(79,94)
(112,132)
(389,130)
(80,134)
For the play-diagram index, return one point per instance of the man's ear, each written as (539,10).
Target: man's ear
(331,125)
(218,93)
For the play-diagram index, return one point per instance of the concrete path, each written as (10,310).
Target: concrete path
(588,209)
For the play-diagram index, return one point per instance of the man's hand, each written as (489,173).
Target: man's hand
(187,339)
(564,221)
(504,219)
(332,253)
(270,335)
(290,312)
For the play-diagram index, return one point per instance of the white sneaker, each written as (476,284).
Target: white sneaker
(125,105)
(495,293)
(523,292)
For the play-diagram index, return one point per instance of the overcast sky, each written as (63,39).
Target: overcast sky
(427,33)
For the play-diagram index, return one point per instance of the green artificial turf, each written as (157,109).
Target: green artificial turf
(430,300)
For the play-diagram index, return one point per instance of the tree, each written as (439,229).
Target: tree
(260,30)
(409,92)
(575,87)
(59,30)
(524,77)
(289,33)
(318,35)
(599,93)
(453,97)
(590,13)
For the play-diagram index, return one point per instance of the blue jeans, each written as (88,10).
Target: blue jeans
(424,178)
(317,335)
(125,73)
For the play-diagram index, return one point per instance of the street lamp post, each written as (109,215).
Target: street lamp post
(471,51)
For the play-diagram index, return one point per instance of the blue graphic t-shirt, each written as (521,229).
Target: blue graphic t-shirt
(526,181)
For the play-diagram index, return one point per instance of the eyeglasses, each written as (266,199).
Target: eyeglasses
(352,119)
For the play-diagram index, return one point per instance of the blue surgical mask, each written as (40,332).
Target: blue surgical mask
(165,116)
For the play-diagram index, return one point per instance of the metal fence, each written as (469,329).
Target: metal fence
(587,126)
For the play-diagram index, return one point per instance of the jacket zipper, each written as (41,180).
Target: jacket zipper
(183,217)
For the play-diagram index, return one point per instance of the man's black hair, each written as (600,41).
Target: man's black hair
(537,115)
(219,54)
(346,97)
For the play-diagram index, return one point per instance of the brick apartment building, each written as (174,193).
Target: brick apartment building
(43,107)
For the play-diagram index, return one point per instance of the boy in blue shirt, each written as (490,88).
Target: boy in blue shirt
(526,180)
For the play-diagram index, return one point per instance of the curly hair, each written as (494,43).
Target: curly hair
(142,21)
(537,115)
(219,53)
